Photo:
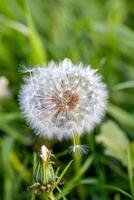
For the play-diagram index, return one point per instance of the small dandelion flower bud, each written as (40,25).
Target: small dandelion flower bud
(44,172)
(45,153)
(63,99)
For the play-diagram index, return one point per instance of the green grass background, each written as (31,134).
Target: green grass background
(96,32)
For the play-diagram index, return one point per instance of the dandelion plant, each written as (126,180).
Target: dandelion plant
(63,101)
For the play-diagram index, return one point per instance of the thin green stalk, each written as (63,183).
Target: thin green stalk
(130,172)
(51,196)
(77,156)
(77,162)
(47,196)
(44,196)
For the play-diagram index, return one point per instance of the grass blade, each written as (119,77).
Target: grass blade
(124,85)
(110,187)
(61,176)
(130,172)
(76,179)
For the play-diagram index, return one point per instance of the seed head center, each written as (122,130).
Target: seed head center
(67,100)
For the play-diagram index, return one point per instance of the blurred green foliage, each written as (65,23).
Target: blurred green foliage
(96,32)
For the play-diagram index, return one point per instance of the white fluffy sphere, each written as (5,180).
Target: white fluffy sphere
(62,99)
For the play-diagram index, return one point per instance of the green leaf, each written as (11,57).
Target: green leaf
(38,50)
(7,117)
(124,85)
(115,141)
(122,116)
(7,147)
(12,131)
(22,28)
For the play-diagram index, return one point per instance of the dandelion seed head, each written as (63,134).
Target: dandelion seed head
(62,99)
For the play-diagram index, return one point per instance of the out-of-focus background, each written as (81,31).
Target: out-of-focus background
(96,32)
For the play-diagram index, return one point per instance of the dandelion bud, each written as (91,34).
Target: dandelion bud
(45,153)
(44,173)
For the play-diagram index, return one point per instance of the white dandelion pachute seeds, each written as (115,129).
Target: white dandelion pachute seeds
(62,99)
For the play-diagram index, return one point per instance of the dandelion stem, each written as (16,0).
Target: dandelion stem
(51,196)
(43,196)
(77,161)
(77,157)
